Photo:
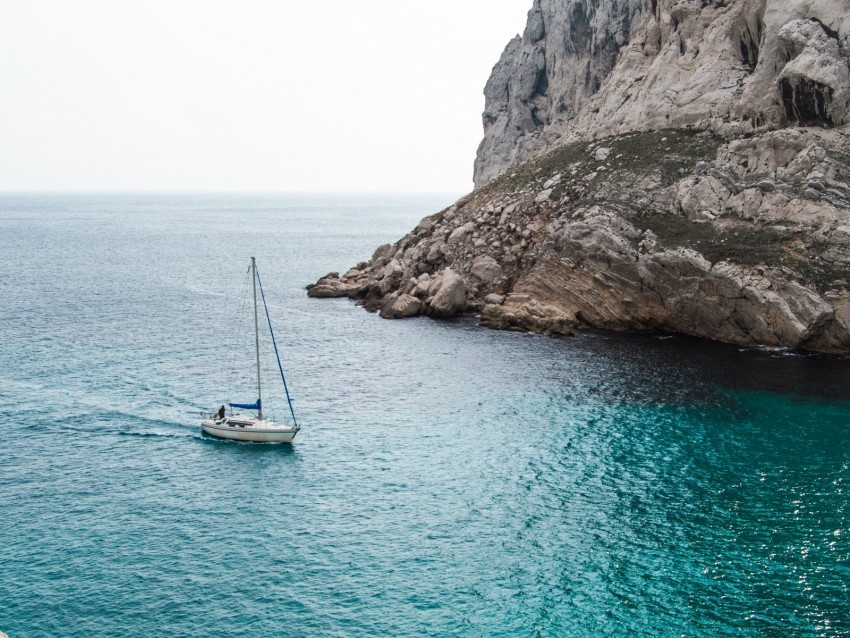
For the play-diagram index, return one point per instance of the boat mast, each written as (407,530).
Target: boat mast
(257,337)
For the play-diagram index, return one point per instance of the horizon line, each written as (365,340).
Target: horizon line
(229,192)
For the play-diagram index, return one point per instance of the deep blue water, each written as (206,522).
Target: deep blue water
(448,480)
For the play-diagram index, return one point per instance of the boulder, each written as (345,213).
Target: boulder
(459,233)
(382,253)
(701,198)
(543,196)
(400,307)
(486,269)
(450,298)
(332,286)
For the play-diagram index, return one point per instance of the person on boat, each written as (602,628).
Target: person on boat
(220,414)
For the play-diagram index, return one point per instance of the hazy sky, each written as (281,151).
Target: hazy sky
(366,95)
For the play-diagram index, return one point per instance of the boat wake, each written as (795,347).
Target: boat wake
(121,423)
(189,434)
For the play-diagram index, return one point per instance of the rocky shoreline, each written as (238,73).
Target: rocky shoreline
(744,242)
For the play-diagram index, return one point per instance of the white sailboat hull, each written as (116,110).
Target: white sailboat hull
(239,428)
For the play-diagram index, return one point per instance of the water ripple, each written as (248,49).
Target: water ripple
(449,480)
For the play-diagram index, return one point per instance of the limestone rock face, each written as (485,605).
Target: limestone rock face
(589,69)
(568,49)
(671,165)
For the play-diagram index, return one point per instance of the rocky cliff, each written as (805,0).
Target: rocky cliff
(674,165)
(589,69)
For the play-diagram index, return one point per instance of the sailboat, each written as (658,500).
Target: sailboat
(253,427)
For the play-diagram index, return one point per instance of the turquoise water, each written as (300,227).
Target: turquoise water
(448,480)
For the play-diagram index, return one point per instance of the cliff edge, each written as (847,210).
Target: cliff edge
(673,165)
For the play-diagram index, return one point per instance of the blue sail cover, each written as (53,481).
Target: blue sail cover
(247,406)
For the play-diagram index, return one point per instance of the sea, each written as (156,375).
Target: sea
(448,480)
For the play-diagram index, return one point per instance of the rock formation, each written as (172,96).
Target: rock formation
(589,69)
(674,165)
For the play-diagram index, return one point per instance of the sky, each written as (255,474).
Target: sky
(246,95)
